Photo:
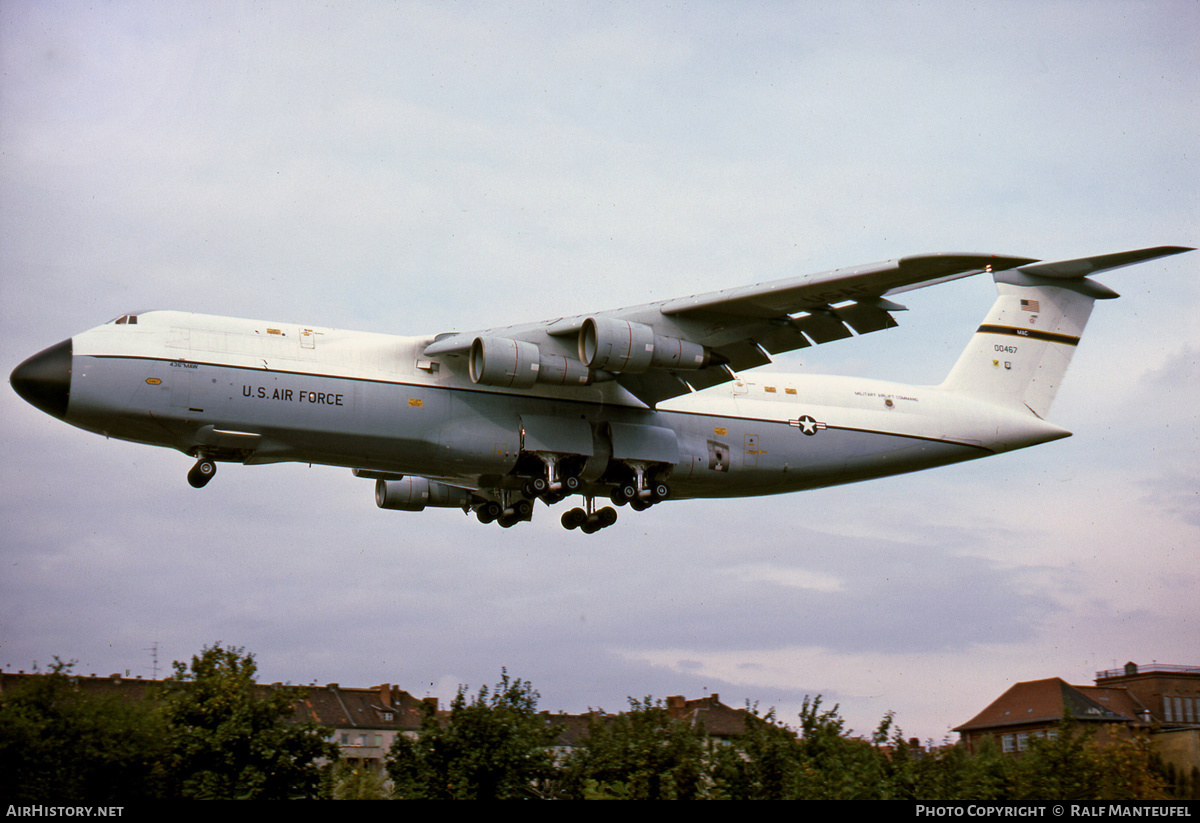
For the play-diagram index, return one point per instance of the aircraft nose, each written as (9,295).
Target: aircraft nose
(44,380)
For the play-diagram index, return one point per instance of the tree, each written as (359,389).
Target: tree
(493,747)
(833,765)
(232,739)
(76,747)
(761,765)
(1070,766)
(641,754)
(350,782)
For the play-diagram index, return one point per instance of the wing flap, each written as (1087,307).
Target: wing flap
(653,387)
(743,355)
(868,316)
(785,337)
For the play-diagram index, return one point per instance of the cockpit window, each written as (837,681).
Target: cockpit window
(126,319)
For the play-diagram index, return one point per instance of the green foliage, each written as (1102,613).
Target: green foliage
(642,754)
(350,782)
(58,742)
(833,765)
(212,732)
(1058,768)
(1070,766)
(1128,771)
(763,764)
(493,747)
(231,739)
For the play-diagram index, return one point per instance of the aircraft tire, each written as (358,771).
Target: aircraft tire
(573,518)
(201,473)
(523,510)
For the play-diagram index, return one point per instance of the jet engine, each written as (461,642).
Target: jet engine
(412,494)
(518,364)
(623,346)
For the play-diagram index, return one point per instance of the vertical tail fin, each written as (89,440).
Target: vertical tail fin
(1019,355)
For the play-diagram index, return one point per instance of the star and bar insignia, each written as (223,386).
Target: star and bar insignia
(807,424)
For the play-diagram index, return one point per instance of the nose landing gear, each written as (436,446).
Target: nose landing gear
(201,473)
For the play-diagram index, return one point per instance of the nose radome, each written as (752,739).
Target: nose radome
(44,380)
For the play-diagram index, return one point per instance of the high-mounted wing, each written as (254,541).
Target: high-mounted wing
(661,350)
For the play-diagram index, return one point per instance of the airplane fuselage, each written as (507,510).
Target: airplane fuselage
(258,392)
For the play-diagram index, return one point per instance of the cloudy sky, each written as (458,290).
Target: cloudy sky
(425,167)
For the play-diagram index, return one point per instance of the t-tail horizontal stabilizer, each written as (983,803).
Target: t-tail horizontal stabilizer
(1020,353)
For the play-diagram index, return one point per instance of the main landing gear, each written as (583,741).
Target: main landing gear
(508,513)
(589,520)
(202,472)
(554,483)
(638,490)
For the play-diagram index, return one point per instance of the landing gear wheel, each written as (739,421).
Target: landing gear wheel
(574,518)
(489,511)
(201,473)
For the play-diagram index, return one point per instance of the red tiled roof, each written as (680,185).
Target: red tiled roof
(1048,701)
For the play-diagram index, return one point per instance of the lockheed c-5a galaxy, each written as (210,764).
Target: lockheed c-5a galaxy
(633,406)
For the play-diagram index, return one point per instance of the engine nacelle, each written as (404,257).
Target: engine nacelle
(518,364)
(499,361)
(559,370)
(412,494)
(622,346)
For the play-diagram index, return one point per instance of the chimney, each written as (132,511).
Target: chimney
(385,695)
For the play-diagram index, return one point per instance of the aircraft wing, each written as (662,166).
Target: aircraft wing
(661,350)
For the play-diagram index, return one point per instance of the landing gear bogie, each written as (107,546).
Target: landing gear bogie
(579,518)
(509,513)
